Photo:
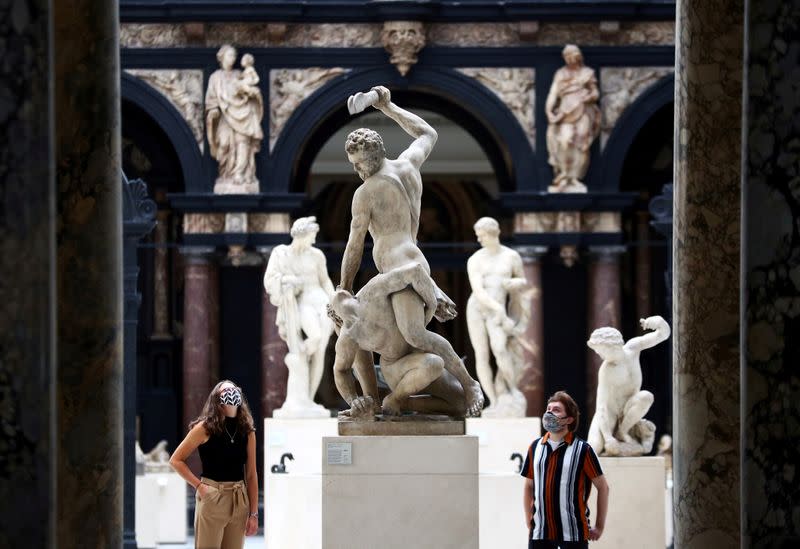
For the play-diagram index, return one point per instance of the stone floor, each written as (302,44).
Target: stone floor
(252,542)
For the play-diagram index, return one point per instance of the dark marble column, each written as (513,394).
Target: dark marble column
(89,396)
(642,254)
(604,309)
(706,245)
(27,276)
(532,381)
(200,332)
(161,326)
(274,374)
(771,269)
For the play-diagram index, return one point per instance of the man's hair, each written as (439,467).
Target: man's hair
(304,225)
(570,407)
(222,50)
(364,139)
(606,336)
(487,224)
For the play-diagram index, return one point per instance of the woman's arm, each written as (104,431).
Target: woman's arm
(252,484)
(196,436)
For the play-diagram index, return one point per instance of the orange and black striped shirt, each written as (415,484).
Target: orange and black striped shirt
(561,485)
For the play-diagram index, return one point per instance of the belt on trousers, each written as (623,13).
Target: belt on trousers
(237,487)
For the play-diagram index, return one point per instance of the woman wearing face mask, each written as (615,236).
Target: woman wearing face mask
(227,492)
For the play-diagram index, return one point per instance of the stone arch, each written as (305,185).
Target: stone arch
(507,146)
(628,126)
(167,117)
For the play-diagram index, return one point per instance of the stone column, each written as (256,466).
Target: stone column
(27,279)
(642,279)
(89,273)
(771,272)
(274,374)
(604,309)
(708,112)
(161,327)
(532,382)
(200,331)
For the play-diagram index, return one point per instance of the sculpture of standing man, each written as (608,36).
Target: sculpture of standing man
(234,109)
(497,314)
(573,121)
(618,427)
(298,285)
(387,205)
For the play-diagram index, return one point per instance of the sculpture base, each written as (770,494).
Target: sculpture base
(301,411)
(400,492)
(160,509)
(410,425)
(221,187)
(637,485)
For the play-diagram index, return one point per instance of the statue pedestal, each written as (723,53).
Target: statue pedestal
(502,518)
(399,492)
(637,490)
(160,509)
(294,495)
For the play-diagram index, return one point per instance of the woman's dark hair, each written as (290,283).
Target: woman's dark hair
(212,417)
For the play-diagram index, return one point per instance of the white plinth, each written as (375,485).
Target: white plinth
(498,438)
(502,521)
(400,492)
(292,500)
(636,503)
(160,509)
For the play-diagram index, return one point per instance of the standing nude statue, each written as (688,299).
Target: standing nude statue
(497,314)
(618,427)
(388,205)
(297,282)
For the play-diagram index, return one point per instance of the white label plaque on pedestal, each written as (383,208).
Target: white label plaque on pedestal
(400,492)
(340,453)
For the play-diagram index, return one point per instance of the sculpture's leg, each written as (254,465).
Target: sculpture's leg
(480,343)
(409,312)
(413,373)
(498,340)
(634,410)
(595,438)
(445,397)
(242,156)
(364,366)
(314,326)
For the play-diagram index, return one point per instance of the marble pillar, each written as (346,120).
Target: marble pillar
(771,273)
(642,257)
(604,309)
(27,276)
(200,331)
(89,395)
(161,277)
(274,374)
(532,382)
(706,246)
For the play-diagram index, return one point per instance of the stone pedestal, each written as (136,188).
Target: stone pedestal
(400,492)
(160,509)
(146,513)
(636,503)
(502,515)
(296,493)
(498,438)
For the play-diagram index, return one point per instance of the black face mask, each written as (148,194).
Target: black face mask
(231,396)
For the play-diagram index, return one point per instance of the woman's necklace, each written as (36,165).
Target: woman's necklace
(231,436)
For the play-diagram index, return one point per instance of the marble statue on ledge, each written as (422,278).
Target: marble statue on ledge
(573,122)
(297,282)
(498,311)
(234,109)
(618,427)
(389,315)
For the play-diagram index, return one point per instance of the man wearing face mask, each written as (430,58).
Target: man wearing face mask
(560,469)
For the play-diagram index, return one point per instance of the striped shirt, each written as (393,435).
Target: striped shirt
(561,485)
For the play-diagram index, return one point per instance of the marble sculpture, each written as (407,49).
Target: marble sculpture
(390,313)
(498,311)
(297,282)
(618,427)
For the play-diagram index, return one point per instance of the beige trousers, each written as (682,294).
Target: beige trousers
(220,518)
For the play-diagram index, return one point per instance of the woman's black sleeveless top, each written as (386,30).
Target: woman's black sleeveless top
(223,460)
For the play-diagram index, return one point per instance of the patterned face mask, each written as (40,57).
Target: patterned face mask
(231,396)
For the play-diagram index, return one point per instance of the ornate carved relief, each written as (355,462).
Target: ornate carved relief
(403,40)
(184,89)
(294,35)
(474,34)
(203,223)
(516,87)
(268,223)
(567,222)
(621,86)
(289,88)
(152,35)
(592,34)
